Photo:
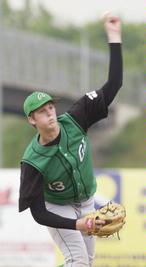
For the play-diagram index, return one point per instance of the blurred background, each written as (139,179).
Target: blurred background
(60,47)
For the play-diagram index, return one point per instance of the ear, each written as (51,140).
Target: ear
(31,121)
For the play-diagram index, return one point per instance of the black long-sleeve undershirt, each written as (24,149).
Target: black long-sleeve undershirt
(44,217)
(115,76)
(85,112)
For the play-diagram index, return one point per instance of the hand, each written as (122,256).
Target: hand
(85,224)
(112,26)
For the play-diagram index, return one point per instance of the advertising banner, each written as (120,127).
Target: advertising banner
(24,243)
(127,187)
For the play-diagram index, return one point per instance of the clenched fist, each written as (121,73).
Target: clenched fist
(112,26)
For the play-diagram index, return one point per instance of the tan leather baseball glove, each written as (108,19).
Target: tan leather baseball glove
(114,216)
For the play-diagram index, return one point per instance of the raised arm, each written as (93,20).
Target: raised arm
(93,106)
(112,26)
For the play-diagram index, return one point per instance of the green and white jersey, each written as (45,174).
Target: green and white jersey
(66,167)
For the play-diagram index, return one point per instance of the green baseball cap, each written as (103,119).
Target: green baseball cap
(35,100)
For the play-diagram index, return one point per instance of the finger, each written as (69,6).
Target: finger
(89,223)
(109,17)
(100,222)
(105,15)
(98,227)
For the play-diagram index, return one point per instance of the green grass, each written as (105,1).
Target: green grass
(17,134)
(128,148)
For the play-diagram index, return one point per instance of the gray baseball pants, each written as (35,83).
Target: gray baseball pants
(77,248)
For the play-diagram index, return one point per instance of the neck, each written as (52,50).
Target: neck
(47,137)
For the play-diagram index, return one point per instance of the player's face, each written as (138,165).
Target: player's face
(44,118)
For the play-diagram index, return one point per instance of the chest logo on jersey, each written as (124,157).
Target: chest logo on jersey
(82,149)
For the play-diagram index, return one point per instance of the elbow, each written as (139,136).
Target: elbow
(117,85)
(120,83)
(38,217)
(115,82)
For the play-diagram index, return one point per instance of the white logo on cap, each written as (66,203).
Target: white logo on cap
(41,95)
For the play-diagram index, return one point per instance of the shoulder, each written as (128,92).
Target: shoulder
(28,149)
(67,119)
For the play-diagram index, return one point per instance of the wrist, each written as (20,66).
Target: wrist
(114,39)
(78,224)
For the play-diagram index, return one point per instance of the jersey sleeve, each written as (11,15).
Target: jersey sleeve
(30,185)
(89,109)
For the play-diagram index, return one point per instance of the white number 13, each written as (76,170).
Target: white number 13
(56,186)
